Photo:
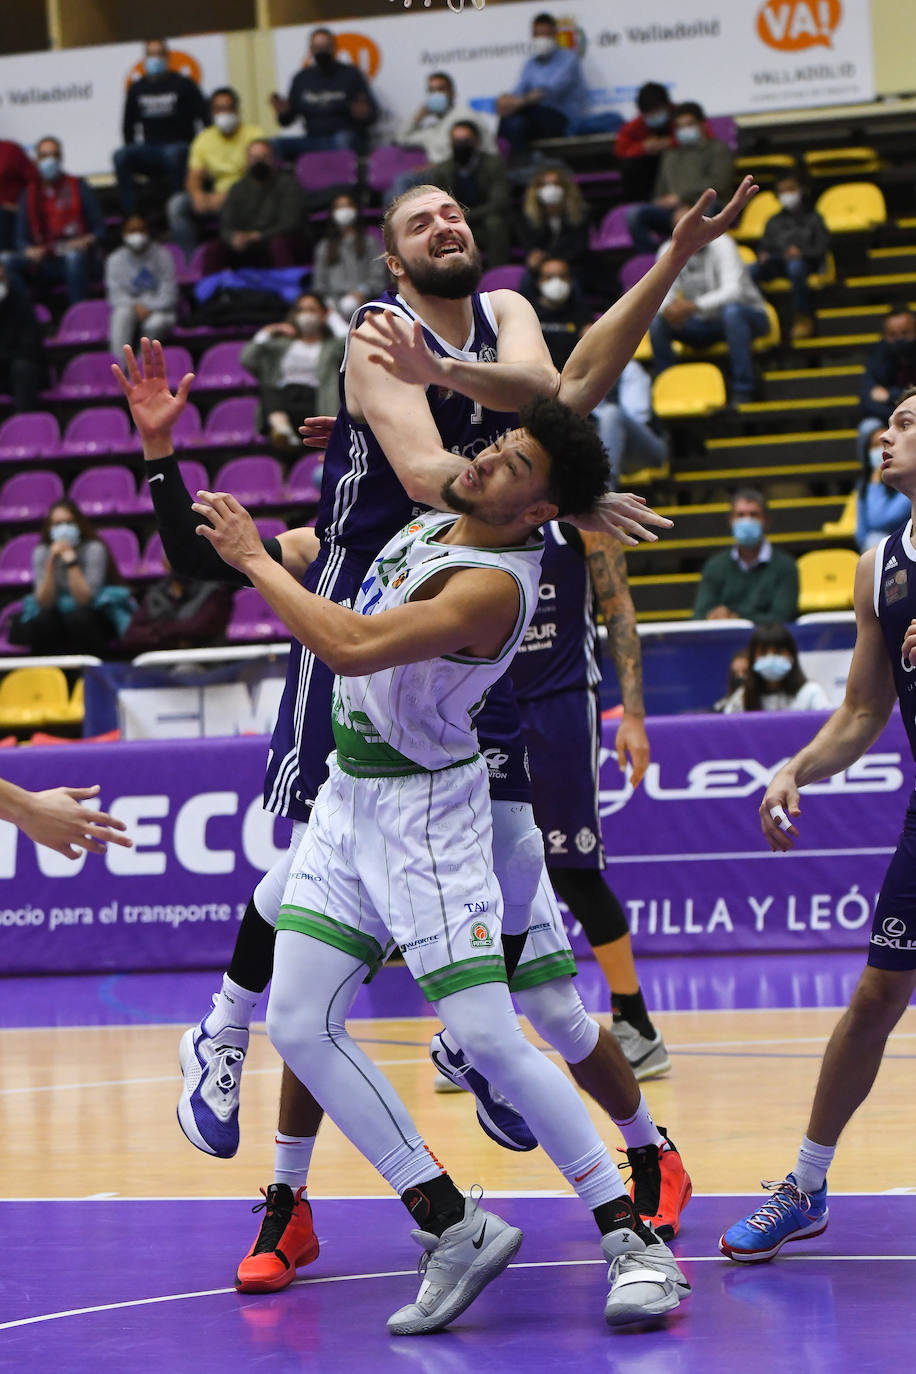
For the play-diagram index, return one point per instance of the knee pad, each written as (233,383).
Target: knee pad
(268,895)
(518,861)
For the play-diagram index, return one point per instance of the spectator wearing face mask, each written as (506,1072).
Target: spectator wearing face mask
(331,98)
(431,126)
(58,226)
(296,363)
(554,221)
(695,162)
(263,220)
(550,95)
(751,580)
(17,171)
(480,183)
(890,369)
(217,159)
(879,509)
(794,244)
(641,141)
(163,111)
(348,268)
(141,287)
(22,363)
(775,681)
(737,677)
(560,309)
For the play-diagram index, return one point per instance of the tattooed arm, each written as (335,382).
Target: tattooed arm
(608,570)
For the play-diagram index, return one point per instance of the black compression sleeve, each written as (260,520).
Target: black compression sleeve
(188,552)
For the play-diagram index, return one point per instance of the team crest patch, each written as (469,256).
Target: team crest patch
(585,840)
(895,587)
(401,577)
(480,936)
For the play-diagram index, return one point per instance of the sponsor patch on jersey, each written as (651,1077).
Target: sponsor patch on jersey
(895,587)
(586,840)
(480,936)
(401,577)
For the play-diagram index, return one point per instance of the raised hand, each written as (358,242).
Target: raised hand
(695,229)
(400,348)
(153,407)
(624,516)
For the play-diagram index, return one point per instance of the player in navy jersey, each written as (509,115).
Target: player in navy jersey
(883,670)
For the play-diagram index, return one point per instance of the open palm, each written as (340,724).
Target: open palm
(695,230)
(153,407)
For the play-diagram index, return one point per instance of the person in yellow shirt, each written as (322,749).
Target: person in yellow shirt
(216,161)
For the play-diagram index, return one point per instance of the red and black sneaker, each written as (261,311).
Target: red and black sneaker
(659,1186)
(286,1240)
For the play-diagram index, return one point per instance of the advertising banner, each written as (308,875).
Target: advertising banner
(687,859)
(743,56)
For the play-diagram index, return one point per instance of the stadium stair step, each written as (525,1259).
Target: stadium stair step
(811,383)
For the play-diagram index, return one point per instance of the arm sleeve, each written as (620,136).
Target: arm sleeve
(188,553)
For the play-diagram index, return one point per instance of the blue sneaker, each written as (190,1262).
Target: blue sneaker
(211,1066)
(788,1215)
(498,1118)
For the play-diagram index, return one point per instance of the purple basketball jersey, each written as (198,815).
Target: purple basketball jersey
(559,651)
(895,607)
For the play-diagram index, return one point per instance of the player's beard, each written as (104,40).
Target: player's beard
(454,500)
(446,279)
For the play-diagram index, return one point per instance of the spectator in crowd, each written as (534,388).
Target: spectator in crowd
(78,603)
(163,111)
(794,245)
(217,159)
(141,287)
(57,227)
(737,677)
(641,141)
(550,95)
(348,266)
(563,315)
(332,98)
(296,363)
(775,681)
(554,221)
(879,509)
(712,299)
(624,419)
(480,183)
(179,613)
(695,162)
(263,219)
(22,364)
(430,128)
(890,369)
(751,580)
(17,171)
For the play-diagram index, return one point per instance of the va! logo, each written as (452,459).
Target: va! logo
(793,25)
(480,936)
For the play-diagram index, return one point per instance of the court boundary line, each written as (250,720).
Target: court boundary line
(506,1194)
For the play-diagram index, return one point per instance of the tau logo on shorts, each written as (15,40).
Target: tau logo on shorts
(480,936)
(585,840)
(894,927)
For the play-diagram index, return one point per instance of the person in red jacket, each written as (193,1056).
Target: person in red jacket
(641,141)
(17,171)
(58,224)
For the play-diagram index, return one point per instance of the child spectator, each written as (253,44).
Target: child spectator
(775,681)
(794,245)
(141,287)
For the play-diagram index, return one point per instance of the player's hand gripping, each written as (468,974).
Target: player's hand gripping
(231,530)
(781,801)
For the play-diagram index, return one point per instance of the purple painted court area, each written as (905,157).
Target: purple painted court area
(841,1304)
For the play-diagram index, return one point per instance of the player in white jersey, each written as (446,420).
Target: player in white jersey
(399,850)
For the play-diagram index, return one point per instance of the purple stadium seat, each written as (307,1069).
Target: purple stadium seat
(725,128)
(253,481)
(269,527)
(612,233)
(152,563)
(230,422)
(125,549)
(220,370)
(100,429)
(83,323)
(7,616)
(104,491)
(634,269)
(180,261)
(502,278)
(178,361)
(33,434)
(195,266)
(304,481)
(16,560)
(252,619)
(29,496)
(188,428)
(88,375)
(337,167)
(392,161)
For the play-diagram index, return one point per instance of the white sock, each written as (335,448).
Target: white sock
(813,1162)
(234,1006)
(639,1129)
(292,1157)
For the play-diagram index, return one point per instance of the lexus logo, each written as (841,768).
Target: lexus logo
(894,927)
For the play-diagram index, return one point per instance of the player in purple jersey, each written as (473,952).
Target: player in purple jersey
(883,670)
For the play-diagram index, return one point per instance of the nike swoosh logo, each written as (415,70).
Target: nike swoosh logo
(159,477)
(580,1177)
(479,1241)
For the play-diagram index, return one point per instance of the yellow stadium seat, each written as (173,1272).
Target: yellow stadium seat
(822,162)
(753,222)
(76,707)
(852,207)
(34,696)
(826,578)
(766,166)
(816,281)
(746,253)
(845,527)
(643,353)
(688,389)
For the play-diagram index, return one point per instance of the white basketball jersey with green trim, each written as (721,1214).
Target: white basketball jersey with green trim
(418,717)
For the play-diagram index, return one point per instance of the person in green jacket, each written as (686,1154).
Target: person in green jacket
(296,362)
(751,580)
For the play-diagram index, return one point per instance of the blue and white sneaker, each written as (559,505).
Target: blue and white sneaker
(789,1214)
(497,1116)
(208,1109)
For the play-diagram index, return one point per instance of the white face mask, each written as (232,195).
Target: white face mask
(772,667)
(555,289)
(790,200)
(344,216)
(876,458)
(688,134)
(347,304)
(308,322)
(551,194)
(226,121)
(543,46)
(137,241)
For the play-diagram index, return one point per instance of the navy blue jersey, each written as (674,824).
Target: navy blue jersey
(895,607)
(559,651)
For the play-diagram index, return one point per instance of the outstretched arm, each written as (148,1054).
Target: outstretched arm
(56,819)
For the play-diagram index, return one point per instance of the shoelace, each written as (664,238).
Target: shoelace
(785,1196)
(227,1056)
(277,1218)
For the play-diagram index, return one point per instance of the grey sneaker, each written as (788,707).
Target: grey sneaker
(647,1058)
(644,1276)
(455,1267)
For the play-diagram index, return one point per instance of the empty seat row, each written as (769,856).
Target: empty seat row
(106,429)
(89,375)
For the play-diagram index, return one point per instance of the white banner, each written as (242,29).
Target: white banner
(734,57)
(78,95)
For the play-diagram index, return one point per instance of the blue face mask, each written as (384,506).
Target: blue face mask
(65,533)
(688,134)
(772,667)
(437,102)
(747,530)
(657,120)
(49,167)
(155,66)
